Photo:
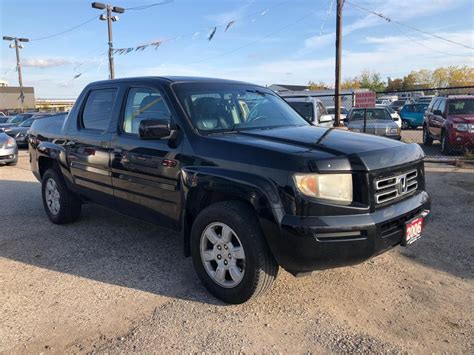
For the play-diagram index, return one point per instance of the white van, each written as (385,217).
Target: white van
(312,110)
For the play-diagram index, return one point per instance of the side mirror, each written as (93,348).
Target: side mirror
(325,118)
(155,129)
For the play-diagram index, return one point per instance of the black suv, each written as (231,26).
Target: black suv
(246,181)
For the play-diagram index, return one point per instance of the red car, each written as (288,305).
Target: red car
(450,119)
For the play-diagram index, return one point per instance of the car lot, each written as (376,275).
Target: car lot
(109,283)
(434,151)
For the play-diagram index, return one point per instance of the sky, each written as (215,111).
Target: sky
(270,42)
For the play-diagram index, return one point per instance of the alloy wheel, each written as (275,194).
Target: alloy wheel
(52,196)
(222,255)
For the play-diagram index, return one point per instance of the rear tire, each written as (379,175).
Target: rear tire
(446,148)
(61,205)
(237,265)
(427,140)
(405,124)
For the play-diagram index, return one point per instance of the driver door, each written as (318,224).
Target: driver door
(146,173)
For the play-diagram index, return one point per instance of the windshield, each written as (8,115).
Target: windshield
(370,114)
(27,123)
(221,107)
(461,107)
(305,109)
(15,119)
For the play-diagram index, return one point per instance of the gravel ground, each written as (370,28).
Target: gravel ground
(111,284)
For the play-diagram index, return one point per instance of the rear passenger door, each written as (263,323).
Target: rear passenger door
(88,145)
(145,173)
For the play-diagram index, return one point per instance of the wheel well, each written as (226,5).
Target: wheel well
(45,163)
(193,208)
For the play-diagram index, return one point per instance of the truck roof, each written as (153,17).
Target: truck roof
(171,79)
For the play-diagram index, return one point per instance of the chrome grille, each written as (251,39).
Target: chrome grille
(393,187)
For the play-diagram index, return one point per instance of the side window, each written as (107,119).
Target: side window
(432,104)
(321,109)
(98,109)
(143,104)
(442,106)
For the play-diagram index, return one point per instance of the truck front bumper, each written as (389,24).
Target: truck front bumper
(306,244)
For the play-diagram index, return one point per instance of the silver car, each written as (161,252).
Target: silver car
(8,150)
(376,120)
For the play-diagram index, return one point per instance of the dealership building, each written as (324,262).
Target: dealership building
(10,98)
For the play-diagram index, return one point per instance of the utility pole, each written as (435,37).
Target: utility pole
(109,18)
(17,45)
(337,96)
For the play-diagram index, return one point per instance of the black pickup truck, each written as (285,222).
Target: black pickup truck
(247,182)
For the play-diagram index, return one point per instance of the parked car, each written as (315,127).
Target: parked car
(376,120)
(425,99)
(312,110)
(342,112)
(20,132)
(450,119)
(412,115)
(397,105)
(17,119)
(249,189)
(8,150)
(393,113)
(3,119)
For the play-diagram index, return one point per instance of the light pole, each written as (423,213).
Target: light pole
(109,18)
(17,45)
(337,97)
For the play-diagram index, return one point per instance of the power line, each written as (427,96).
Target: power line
(427,47)
(65,31)
(146,7)
(386,18)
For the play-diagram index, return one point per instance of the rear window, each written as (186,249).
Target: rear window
(305,109)
(461,107)
(97,111)
(370,114)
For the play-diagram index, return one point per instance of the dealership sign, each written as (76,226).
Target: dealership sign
(364,99)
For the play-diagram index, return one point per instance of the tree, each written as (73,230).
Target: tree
(372,81)
(350,84)
(317,86)
(395,84)
(409,81)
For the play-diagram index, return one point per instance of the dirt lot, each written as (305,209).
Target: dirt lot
(113,284)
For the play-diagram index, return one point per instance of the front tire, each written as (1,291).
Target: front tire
(446,148)
(230,254)
(61,205)
(405,124)
(427,140)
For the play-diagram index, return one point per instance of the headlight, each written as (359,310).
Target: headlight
(391,131)
(462,127)
(11,142)
(337,187)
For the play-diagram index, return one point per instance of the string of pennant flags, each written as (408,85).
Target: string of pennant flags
(211,33)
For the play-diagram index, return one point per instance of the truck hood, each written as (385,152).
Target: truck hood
(346,150)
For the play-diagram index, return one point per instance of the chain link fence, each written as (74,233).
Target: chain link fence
(411,106)
(412,110)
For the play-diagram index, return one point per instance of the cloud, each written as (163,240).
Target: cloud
(394,57)
(400,10)
(45,62)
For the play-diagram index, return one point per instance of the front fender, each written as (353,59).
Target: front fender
(260,192)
